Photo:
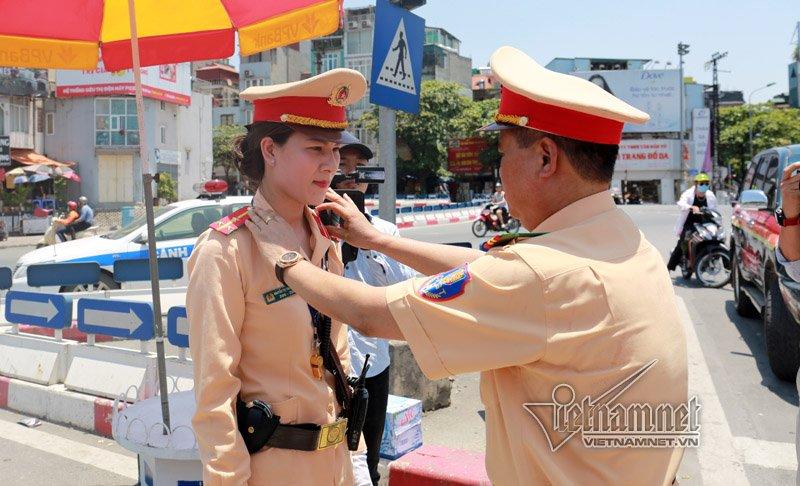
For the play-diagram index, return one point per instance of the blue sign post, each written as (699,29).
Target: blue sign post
(45,310)
(119,318)
(396,58)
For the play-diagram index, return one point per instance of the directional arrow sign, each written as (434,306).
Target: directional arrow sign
(119,318)
(34,308)
(178,327)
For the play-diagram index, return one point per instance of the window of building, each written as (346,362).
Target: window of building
(254,82)
(359,41)
(362,65)
(19,115)
(163,106)
(2,121)
(49,124)
(163,134)
(115,122)
(226,119)
(39,120)
(330,60)
(253,58)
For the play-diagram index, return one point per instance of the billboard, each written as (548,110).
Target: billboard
(649,155)
(654,91)
(5,151)
(167,82)
(463,156)
(701,136)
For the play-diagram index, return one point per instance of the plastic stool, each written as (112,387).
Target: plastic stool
(437,465)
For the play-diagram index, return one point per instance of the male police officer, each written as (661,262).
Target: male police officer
(564,324)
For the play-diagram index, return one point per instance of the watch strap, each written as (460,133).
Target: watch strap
(785,221)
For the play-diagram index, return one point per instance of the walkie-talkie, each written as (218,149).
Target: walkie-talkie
(358,408)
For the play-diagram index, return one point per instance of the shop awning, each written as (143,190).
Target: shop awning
(30,157)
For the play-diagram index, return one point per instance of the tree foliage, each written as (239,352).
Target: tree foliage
(224,136)
(771,127)
(167,188)
(445,114)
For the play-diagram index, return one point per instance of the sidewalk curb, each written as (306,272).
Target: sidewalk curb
(56,404)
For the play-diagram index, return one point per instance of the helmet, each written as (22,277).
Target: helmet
(83,200)
(72,205)
(702,177)
(498,184)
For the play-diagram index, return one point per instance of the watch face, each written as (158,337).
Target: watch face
(289,257)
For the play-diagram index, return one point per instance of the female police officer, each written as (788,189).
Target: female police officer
(251,338)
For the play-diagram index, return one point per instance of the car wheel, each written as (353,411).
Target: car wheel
(479,228)
(744,306)
(781,334)
(106,282)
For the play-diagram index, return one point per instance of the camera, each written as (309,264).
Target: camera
(369,175)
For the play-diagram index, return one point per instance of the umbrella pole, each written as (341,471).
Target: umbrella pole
(147,183)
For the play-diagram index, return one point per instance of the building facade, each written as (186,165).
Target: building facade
(222,83)
(22,119)
(101,134)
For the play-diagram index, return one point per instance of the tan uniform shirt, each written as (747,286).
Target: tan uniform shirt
(586,305)
(240,344)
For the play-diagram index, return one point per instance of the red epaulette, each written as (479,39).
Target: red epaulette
(232,222)
(506,239)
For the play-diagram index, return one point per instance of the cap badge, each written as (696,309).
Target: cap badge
(339,95)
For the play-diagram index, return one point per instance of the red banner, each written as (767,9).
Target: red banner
(462,156)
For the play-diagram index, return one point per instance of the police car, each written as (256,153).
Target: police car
(177,227)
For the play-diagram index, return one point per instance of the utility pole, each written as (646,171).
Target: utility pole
(715,58)
(683,49)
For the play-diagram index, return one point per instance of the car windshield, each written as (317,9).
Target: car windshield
(136,224)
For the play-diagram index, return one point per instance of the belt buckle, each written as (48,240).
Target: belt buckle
(332,434)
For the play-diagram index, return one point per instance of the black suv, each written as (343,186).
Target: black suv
(759,283)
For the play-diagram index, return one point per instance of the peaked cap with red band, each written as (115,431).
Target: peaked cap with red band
(318,101)
(534,97)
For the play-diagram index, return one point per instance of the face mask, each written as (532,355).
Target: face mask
(702,188)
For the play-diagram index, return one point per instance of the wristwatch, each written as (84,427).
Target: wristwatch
(784,221)
(285,261)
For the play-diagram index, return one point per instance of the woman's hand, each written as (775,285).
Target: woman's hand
(273,234)
(355,229)
(790,191)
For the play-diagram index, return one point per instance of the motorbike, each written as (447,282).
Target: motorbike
(488,221)
(49,238)
(704,251)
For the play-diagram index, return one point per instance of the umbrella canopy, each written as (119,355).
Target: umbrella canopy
(15,172)
(38,178)
(20,180)
(38,169)
(75,34)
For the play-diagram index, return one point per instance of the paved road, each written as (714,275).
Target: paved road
(748,417)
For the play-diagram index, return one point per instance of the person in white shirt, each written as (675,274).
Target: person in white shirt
(691,202)
(500,208)
(377,270)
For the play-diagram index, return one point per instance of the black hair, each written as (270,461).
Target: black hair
(247,155)
(592,161)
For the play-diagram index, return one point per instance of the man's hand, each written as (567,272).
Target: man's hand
(695,210)
(273,234)
(790,191)
(355,229)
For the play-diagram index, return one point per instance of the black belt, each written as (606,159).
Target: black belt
(261,428)
(308,437)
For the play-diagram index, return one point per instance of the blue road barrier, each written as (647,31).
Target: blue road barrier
(178,327)
(52,274)
(6,278)
(39,309)
(119,318)
(138,269)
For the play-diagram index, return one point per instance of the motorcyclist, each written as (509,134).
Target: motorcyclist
(49,237)
(691,202)
(84,220)
(499,204)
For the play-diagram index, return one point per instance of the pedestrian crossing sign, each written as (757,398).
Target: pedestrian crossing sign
(396,58)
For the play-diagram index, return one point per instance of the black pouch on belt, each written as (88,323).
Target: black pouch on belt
(256,423)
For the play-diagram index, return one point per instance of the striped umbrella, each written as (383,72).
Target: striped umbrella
(77,34)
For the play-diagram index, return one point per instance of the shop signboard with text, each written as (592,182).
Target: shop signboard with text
(463,156)
(649,155)
(167,82)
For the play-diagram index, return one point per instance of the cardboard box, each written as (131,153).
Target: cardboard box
(402,431)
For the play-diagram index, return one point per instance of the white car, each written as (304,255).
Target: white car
(177,227)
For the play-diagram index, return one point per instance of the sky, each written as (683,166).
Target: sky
(757,34)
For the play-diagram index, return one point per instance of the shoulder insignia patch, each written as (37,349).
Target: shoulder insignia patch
(231,222)
(321,226)
(506,239)
(446,286)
